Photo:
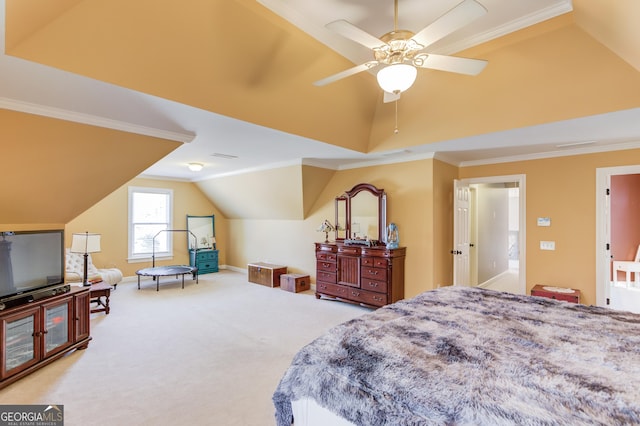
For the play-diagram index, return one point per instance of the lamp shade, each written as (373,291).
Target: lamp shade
(85,243)
(326,226)
(397,78)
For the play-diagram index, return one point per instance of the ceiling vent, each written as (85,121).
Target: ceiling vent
(227,156)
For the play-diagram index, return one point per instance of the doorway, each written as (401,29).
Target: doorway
(489,233)
(617,235)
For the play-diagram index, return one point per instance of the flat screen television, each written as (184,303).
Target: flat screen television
(30,260)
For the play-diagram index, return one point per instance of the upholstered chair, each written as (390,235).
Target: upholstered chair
(74,270)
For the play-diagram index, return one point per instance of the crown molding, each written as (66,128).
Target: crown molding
(93,120)
(508,28)
(552,154)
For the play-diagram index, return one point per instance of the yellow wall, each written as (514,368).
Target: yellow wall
(563,189)
(109,218)
(266,194)
(420,202)
(443,177)
(290,242)
(419,195)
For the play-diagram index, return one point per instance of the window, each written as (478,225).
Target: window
(150,214)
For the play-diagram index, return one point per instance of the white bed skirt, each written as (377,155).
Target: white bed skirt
(307,412)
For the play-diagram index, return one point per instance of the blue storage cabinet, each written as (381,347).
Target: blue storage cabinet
(205,260)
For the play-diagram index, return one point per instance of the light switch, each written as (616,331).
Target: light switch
(547,245)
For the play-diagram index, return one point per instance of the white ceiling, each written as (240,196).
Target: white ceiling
(34,88)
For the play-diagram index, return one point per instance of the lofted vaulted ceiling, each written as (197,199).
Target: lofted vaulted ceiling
(232,77)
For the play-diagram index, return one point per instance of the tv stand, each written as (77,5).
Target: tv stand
(30,296)
(39,332)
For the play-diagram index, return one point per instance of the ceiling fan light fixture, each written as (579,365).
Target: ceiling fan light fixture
(195,167)
(397,78)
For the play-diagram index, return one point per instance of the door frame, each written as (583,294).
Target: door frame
(522,216)
(603,228)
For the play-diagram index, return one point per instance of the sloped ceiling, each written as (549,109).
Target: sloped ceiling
(52,170)
(238,59)
(234,58)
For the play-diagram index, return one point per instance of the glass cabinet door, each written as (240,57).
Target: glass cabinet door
(57,326)
(20,341)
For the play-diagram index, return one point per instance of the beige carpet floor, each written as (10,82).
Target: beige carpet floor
(211,354)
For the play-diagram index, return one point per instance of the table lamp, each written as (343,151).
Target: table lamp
(85,243)
(326,227)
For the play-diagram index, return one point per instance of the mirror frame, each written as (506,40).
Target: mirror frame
(199,236)
(341,218)
(346,221)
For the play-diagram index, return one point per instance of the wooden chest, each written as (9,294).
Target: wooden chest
(572,296)
(265,273)
(295,283)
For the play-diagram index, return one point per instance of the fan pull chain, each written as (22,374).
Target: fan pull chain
(395,16)
(396,131)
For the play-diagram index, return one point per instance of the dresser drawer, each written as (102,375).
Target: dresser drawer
(207,267)
(326,266)
(326,257)
(367,297)
(204,256)
(205,260)
(331,289)
(349,251)
(330,277)
(374,285)
(374,262)
(379,274)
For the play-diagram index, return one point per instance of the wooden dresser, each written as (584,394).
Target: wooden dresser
(371,276)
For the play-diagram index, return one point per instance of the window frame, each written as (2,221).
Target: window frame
(142,257)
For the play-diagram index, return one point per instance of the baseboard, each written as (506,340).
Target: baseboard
(492,279)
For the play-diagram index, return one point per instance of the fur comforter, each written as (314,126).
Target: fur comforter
(467,356)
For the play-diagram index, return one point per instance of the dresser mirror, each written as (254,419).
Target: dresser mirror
(362,212)
(202,227)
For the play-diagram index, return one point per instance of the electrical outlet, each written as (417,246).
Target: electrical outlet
(547,245)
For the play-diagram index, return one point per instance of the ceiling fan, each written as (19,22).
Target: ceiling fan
(400,52)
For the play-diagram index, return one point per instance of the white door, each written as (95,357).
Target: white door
(463,206)
(608,295)
(461,233)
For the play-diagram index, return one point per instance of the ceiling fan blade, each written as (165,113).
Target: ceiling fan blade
(390,97)
(346,73)
(462,14)
(354,33)
(450,63)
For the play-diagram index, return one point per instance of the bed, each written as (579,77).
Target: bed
(469,356)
